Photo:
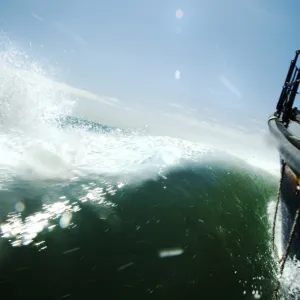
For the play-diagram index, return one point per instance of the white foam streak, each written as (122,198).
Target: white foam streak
(291,276)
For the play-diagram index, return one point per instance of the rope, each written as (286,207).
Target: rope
(283,259)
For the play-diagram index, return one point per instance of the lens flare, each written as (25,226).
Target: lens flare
(179,13)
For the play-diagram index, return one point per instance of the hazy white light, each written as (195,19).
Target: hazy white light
(179,13)
(177,74)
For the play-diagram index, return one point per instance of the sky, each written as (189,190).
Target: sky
(201,60)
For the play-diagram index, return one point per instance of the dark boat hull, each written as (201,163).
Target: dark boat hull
(290,202)
(289,151)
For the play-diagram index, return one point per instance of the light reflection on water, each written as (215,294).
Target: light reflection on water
(22,231)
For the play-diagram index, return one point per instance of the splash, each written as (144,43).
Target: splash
(34,148)
(28,96)
(30,104)
(44,158)
(291,276)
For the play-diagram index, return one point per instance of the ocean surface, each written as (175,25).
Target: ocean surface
(164,227)
(89,211)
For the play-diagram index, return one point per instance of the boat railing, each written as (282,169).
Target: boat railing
(289,91)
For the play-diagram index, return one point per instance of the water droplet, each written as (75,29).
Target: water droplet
(65,219)
(179,13)
(19,206)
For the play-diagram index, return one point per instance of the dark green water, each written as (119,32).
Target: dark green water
(214,212)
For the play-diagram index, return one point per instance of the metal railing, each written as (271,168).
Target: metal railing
(289,92)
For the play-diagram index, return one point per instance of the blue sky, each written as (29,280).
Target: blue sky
(232,55)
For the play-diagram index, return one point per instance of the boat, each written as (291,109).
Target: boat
(281,124)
